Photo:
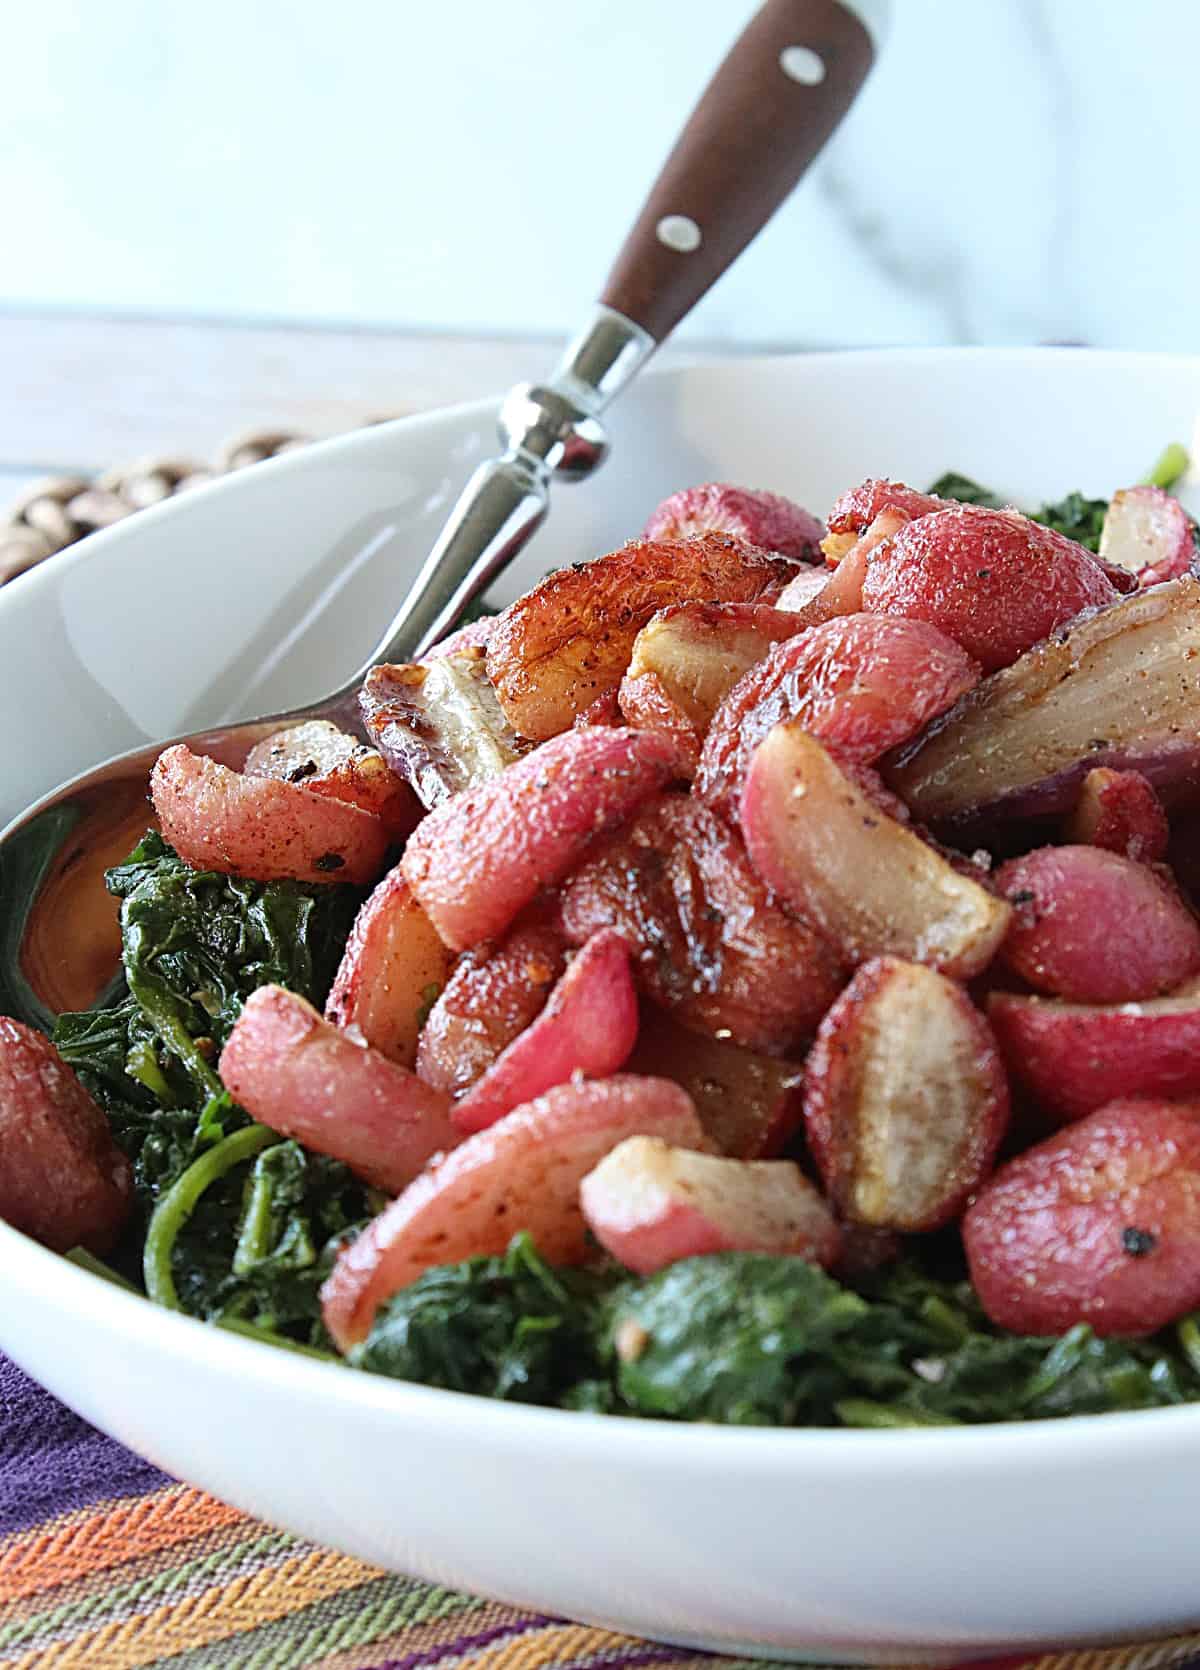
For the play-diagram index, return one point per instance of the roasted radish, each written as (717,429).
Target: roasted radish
(392,969)
(862,684)
(994,581)
(1120,688)
(905,1098)
(750,1104)
(62,1178)
(1100,1224)
(494,993)
(688,658)
(438,723)
(1095,927)
(1120,811)
(650,1205)
(767,520)
(307,1079)
(589,1026)
(520,1174)
(864,880)
(709,944)
(477,862)
(1149,534)
(566,642)
(1074,1057)
(324,760)
(855,511)
(259,827)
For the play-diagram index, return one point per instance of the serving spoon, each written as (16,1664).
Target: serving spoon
(772,104)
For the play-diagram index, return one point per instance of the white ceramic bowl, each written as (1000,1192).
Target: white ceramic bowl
(271,585)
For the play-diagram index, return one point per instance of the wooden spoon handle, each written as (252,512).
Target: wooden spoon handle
(772,104)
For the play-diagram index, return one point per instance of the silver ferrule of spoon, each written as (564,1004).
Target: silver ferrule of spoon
(546,429)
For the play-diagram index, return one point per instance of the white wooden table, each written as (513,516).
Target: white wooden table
(80,394)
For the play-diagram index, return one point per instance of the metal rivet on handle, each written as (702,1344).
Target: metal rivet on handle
(679,232)
(802,64)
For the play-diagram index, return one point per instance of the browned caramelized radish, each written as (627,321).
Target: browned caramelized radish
(62,1178)
(854,512)
(905,1098)
(218,819)
(861,683)
(650,1205)
(863,879)
(710,945)
(589,1026)
(767,520)
(324,760)
(1074,1057)
(992,580)
(1119,688)
(438,724)
(1100,1224)
(750,1104)
(1095,927)
(522,1173)
(477,861)
(494,993)
(1120,811)
(295,1072)
(566,642)
(688,658)
(393,967)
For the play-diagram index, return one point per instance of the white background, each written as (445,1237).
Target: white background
(1018,170)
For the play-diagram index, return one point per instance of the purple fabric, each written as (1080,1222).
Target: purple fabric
(51,1461)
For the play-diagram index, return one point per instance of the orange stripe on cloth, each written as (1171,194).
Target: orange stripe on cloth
(212,1615)
(553,1645)
(106,1536)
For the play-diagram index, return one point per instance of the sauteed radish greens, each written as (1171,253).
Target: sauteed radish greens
(755,977)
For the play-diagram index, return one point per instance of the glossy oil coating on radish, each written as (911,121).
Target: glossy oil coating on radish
(566,642)
(63,1180)
(589,1026)
(863,684)
(709,944)
(1100,1224)
(306,1079)
(994,581)
(1074,1057)
(867,882)
(392,969)
(1149,534)
(477,862)
(767,520)
(438,724)
(324,760)
(1119,688)
(1121,812)
(750,1104)
(494,993)
(218,819)
(905,1098)
(688,658)
(520,1174)
(1095,927)
(650,1205)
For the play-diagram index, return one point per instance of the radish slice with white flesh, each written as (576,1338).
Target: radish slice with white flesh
(1148,533)
(650,1205)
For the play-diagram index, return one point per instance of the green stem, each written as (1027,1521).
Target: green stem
(1171,464)
(97,1267)
(861,1411)
(268,1336)
(176,1206)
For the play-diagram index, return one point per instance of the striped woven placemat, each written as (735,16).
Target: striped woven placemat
(106,1564)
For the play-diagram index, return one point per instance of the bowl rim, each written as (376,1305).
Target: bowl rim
(975,1449)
